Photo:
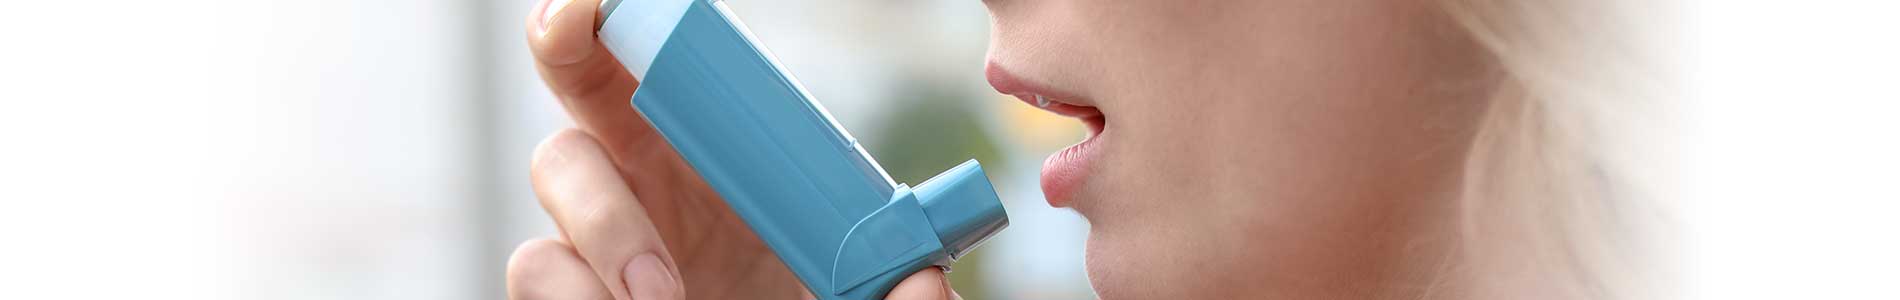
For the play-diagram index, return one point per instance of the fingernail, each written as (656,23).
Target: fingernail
(550,8)
(647,278)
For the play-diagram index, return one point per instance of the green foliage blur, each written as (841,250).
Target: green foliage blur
(937,129)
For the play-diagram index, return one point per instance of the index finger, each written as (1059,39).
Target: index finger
(589,82)
(600,216)
(594,88)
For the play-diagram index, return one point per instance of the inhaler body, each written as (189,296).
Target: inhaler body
(798,180)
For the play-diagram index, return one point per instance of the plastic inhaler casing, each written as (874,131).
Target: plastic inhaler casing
(779,160)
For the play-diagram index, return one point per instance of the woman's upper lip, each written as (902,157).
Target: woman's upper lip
(1060,103)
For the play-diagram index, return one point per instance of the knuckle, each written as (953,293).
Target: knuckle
(557,149)
(535,259)
(604,217)
(549,269)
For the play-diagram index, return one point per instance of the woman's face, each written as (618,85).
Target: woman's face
(1252,147)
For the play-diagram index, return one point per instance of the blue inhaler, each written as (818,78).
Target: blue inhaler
(779,160)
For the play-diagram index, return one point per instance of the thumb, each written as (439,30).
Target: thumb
(926,284)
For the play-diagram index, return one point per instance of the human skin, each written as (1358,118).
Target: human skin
(1256,149)
(635,221)
(1243,149)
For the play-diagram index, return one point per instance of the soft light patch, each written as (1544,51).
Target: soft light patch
(1038,129)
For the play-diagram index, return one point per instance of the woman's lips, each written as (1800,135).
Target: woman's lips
(1064,173)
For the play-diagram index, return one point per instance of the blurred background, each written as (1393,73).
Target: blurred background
(366,149)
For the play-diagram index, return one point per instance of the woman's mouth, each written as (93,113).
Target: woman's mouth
(1064,173)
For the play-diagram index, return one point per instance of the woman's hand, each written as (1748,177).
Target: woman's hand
(635,221)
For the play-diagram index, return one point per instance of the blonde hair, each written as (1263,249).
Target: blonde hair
(1560,197)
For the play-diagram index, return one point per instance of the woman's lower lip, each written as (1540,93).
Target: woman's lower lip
(1064,173)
